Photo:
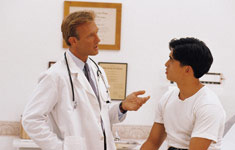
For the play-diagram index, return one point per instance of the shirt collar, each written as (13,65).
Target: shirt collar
(79,63)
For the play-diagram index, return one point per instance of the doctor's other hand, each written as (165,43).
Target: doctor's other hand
(133,102)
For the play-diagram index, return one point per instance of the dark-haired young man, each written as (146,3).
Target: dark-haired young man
(190,116)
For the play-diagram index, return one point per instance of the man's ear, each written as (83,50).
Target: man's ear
(188,69)
(72,40)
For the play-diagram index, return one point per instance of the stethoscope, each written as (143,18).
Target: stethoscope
(99,74)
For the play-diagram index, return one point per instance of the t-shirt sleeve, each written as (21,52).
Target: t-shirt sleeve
(159,111)
(209,122)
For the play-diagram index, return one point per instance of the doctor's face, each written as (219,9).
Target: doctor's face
(87,44)
(174,70)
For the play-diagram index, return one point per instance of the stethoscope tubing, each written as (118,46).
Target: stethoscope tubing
(70,78)
(99,74)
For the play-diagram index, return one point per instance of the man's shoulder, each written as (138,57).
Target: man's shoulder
(207,96)
(208,100)
(57,70)
(169,94)
(171,91)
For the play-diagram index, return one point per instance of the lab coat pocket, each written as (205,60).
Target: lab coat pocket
(74,143)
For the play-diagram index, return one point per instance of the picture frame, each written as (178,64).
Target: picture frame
(117,77)
(108,20)
(210,78)
(50,63)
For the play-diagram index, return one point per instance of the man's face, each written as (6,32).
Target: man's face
(88,39)
(174,71)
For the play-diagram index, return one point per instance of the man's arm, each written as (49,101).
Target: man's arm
(208,127)
(197,143)
(156,137)
(36,113)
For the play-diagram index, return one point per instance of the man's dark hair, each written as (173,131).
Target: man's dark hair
(192,52)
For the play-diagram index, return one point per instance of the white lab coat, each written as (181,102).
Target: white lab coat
(51,120)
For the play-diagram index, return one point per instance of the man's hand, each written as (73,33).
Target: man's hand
(133,102)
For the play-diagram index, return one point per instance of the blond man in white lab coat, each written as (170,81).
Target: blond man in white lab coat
(58,119)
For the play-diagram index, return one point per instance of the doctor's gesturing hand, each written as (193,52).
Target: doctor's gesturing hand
(133,102)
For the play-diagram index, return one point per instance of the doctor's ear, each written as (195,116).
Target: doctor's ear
(72,40)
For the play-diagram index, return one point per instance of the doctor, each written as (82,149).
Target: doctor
(70,108)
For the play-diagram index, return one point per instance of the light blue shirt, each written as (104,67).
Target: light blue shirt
(80,64)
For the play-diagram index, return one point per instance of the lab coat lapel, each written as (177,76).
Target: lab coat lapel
(98,81)
(76,71)
(97,78)
(94,72)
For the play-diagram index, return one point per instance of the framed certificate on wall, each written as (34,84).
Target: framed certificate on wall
(117,78)
(108,20)
(50,63)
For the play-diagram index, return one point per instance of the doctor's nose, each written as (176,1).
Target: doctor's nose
(97,38)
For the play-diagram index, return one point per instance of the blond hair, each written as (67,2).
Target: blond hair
(72,21)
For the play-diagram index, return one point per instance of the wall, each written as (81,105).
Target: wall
(30,38)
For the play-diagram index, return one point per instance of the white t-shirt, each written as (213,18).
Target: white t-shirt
(200,115)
